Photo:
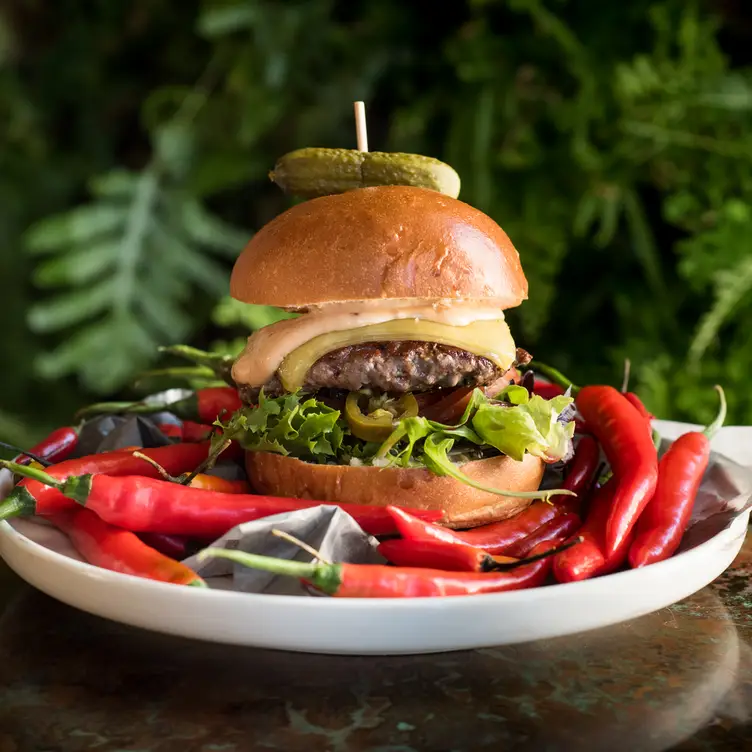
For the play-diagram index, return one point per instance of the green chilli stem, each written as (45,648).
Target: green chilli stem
(221,365)
(715,426)
(656,440)
(324,577)
(31,472)
(553,375)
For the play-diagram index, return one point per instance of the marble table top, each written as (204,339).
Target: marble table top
(680,678)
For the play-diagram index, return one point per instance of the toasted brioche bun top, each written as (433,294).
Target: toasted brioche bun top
(391,242)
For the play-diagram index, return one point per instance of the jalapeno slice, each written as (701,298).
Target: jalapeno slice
(381,414)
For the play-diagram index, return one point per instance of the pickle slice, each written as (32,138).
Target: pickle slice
(313,172)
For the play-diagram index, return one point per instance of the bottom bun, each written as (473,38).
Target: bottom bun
(463,506)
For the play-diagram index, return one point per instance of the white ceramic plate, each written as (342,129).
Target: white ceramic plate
(43,557)
(370,626)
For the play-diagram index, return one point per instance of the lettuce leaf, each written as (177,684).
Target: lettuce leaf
(303,428)
(532,426)
(436,459)
(514,423)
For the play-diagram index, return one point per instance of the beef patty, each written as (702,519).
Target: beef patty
(397,367)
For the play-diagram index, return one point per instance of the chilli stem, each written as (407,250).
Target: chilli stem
(31,472)
(714,427)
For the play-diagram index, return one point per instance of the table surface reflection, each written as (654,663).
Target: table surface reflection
(680,678)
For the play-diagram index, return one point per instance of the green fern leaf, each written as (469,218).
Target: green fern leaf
(207,230)
(117,184)
(72,308)
(731,288)
(166,320)
(85,224)
(215,22)
(181,258)
(77,267)
(128,265)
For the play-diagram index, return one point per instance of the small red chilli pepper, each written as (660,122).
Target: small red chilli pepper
(214,402)
(639,405)
(581,473)
(560,527)
(192,431)
(46,500)
(382,581)
(204,405)
(458,557)
(664,521)
(630,451)
(58,446)
(494,538)
(546,390)
(147,505)
(173,430)
(120,550)
(451,557)
(174,546)
(588,558)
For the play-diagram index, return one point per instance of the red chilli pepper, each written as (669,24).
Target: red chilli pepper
(173,546)
(46,500)
(547,391)
(378,581)
(560,527)
(629,448)
(452,557)
(213,402)
(639,406)
(196,431)
(661,526)
(121,551)
(146,505)
(204,405)
(458,557)
(588,557)
(59,445)
(173,430)
(494,538)
(581,473)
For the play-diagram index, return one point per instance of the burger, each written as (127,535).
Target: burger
(397,380)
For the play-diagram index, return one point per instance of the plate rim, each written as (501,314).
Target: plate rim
(734,530)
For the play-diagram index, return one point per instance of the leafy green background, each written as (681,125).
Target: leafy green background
(611,140)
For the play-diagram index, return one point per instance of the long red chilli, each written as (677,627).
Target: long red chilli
(121,551)
(147,505)
(494,538)
(581,474)
(629,448)
(56,447)
(664,521)
(589,557)
(175,459)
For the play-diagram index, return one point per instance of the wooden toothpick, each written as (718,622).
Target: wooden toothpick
(360,126)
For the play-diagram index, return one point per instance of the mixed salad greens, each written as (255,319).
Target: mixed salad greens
(514,422)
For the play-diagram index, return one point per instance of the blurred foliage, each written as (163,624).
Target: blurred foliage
(612,141)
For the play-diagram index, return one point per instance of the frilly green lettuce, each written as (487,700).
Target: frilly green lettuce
(514,423)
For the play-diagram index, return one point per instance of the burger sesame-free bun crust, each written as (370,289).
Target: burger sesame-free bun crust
(463,506)
(379,243)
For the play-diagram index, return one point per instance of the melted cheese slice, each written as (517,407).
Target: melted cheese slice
(294,345)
